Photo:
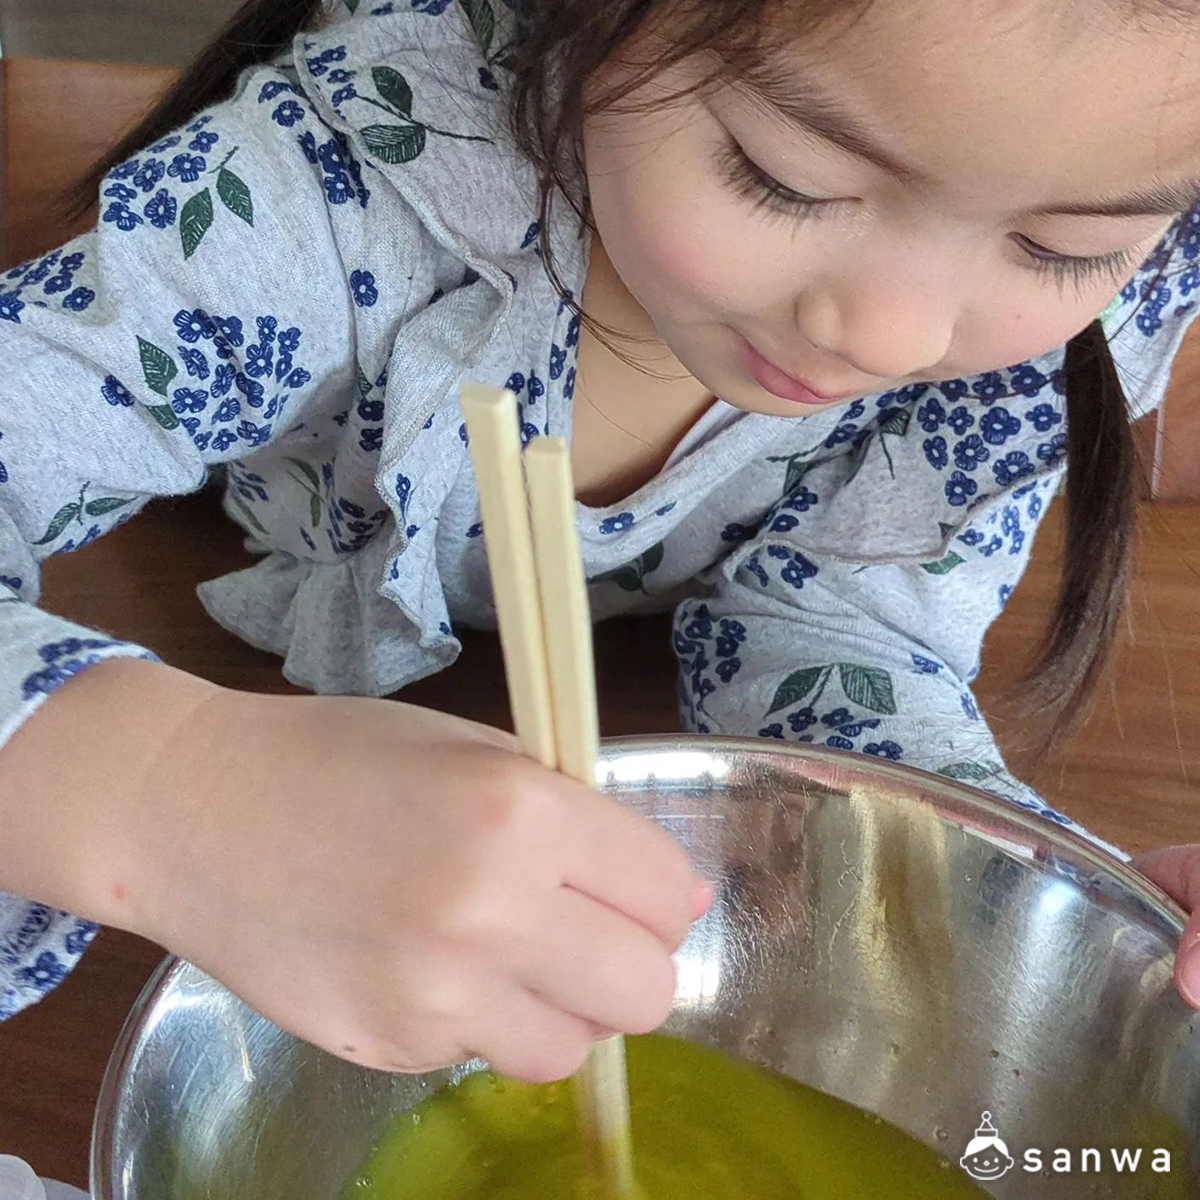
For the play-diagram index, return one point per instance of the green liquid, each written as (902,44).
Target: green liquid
(705,1127)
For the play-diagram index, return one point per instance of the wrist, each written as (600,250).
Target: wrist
(82,783)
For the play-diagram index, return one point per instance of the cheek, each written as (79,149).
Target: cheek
(1002,334)
(683,244)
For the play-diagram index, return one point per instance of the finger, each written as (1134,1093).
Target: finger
(1187,962)
(531,1040)
(1176,869)
(591,961)
(625,861)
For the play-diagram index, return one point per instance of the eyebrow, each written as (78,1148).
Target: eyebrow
(1154,200)
(813,111)
(803,104)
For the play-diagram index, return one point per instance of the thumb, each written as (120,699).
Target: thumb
(1176,869)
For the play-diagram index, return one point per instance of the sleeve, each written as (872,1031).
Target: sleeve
(198,322)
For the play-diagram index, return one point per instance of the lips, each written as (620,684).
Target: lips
(779,383)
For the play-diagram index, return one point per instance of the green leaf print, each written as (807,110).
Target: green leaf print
(306,469)
(314,508)
(62,519)
(236,195)
(245,510)
(163,415)
(970,772)
(195,221)
(395,143)
(870,687)
(157,366)
(651,559)
(626,578)
(944,566)
(796,471)
(106,504)
(632,576)
(483,21)
(795,476)
(361,383)
(352,5)
(796,687)
(897,423)
(393,87)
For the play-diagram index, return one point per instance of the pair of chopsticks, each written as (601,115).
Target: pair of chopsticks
(546,639)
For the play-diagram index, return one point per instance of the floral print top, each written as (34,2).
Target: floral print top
(293,286)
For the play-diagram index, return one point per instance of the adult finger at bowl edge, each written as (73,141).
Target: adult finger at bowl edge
(1187,963)
(1176,869)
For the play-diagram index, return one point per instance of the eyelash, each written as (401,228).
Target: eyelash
(1069,268)
(767,194)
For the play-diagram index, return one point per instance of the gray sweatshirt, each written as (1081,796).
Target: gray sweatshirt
(293,287)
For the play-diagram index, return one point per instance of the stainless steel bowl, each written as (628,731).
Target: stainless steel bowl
(909,945)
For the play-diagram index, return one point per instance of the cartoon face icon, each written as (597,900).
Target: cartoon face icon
(987,1156)
(991,1162)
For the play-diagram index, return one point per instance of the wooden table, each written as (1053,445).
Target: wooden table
(1132,774)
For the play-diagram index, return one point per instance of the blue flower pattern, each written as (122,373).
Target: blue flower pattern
(56,274)
(63,659)
(363,289)
(210,346)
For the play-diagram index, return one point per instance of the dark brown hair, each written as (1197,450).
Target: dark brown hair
(558,47)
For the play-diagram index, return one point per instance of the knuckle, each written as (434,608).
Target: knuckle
(515,800)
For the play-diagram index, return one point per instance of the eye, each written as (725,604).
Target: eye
(759,186)
(1079,269)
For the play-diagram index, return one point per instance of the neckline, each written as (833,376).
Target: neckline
(675,466)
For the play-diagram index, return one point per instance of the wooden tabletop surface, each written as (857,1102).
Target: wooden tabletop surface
(1132,774)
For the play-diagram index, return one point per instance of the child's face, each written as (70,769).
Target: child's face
(998,119)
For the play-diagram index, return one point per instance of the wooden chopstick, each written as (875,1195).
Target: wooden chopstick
(565,615)
(602,1089)
(546,639)
(490,414)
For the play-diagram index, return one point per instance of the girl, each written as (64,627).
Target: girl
(768,265)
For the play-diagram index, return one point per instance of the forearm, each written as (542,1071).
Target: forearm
(83,784)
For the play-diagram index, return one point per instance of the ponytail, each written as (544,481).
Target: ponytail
(1101,503)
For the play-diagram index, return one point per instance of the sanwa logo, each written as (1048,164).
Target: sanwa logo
(987,1158)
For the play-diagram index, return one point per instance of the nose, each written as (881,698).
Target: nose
(880,331)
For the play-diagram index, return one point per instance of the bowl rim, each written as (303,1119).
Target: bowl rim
(953,797)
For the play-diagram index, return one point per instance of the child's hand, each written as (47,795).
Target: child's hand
(1176,869)
(405,890)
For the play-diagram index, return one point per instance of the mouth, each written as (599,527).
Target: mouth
(779,383)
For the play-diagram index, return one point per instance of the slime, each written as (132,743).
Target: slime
(705,1127)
